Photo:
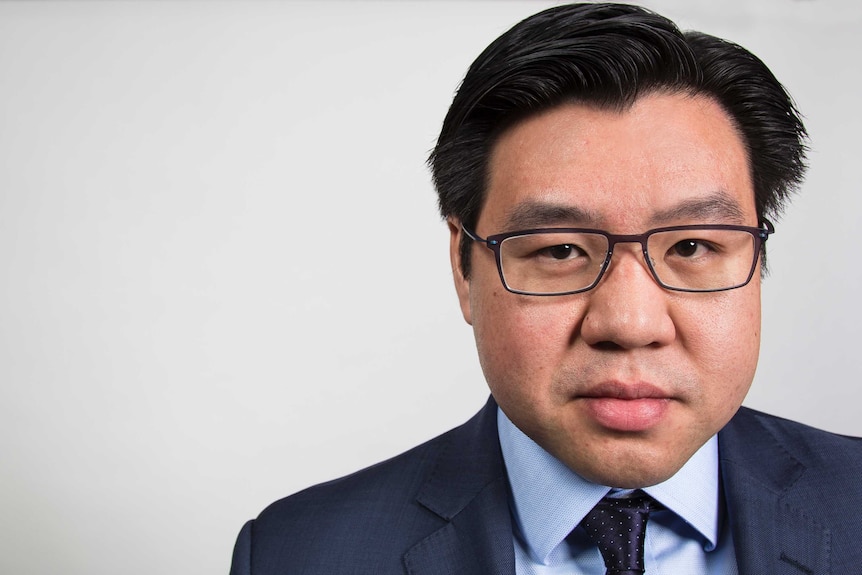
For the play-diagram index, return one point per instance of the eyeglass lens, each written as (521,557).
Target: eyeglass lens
(564,262)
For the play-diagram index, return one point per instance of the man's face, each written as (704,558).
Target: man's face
(625,382)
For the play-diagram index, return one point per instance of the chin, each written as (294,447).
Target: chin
(632,470)
(635,481)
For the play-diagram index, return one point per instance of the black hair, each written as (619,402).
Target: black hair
(608,55)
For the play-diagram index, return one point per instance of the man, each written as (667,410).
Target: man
(608,183)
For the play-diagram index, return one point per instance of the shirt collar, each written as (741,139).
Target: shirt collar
(549,499)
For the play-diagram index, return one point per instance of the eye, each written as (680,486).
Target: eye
(562,251)
(690,248)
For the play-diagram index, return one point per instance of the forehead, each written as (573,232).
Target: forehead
(670,157)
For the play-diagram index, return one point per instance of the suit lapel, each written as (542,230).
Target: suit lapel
(772,531)
(468,489)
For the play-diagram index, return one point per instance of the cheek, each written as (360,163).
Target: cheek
(725,340)
(520,340)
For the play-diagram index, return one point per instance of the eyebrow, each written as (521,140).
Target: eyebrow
(537,214)
(718,207)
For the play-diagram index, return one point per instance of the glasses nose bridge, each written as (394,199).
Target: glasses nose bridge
(641,239)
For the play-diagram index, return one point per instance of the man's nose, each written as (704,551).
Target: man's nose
(628,309)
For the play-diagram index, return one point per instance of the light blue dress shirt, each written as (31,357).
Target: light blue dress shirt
(549,500)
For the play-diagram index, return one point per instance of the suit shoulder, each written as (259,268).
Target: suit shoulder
(391,485)
(389,482)
(360,523)
(816,447)
(366,521)
(805,478)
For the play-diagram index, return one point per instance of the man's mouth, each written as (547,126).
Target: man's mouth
(626,406)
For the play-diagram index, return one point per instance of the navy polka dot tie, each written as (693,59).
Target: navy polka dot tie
(618,527)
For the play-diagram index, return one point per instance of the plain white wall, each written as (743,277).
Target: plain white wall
(223,274)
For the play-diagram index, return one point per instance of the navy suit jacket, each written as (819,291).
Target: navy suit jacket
(794,498)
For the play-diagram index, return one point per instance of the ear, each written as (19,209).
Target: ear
(462,284)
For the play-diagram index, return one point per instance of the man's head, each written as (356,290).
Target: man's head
(608,55)
(607,117)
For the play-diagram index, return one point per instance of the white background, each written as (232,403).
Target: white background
(224,277)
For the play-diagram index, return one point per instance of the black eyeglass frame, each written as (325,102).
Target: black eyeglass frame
(493,243)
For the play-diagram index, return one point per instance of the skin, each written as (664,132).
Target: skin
(625,382)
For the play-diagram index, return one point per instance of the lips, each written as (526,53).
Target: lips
(617,390)
(626,407)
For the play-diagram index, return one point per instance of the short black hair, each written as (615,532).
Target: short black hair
(608,55)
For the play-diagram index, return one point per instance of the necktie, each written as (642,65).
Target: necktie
(618,527)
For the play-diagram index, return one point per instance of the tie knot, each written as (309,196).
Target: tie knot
(617,526)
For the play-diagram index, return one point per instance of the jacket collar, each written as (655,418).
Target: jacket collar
(772,531)
(469,490)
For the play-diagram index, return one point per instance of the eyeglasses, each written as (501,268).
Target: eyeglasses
(561,261)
